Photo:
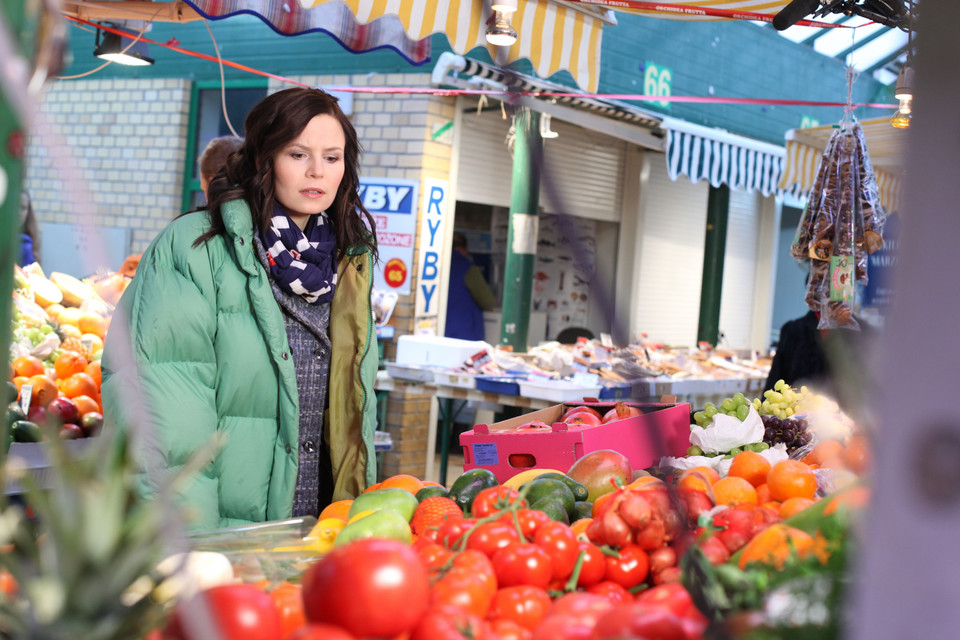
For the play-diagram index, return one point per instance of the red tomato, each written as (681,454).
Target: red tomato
(450,532)
(563,628)
(672,596)
(288,599)
(450,623)
(594,567)
(432,554)
(525,605)
(317,631)
(470,584)
(630,569)
(583,607)
(507,629)
(559,542)
(529,520)
(371,587)
(490,537)
(670,575)
(715,551)
(239,611)
(492,499)
(638,620)
(522,563)
(612,591)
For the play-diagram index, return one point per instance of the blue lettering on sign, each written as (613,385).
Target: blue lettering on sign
(433,225)
(428,291)
(485,453)
(436,197)
(378,198)
(430,266)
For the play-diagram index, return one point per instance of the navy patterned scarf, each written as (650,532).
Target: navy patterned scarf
(302,262)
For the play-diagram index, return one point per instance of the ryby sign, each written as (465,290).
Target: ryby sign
(393,206)
(431,251)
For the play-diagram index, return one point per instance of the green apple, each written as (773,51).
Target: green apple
(379,524)
(399,501)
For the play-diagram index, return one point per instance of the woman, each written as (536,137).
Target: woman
(252,318)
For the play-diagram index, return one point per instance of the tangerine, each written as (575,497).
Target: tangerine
(791,479)
(793,506)
(645,482)
(44,390)
(579,529)
(338,509)
(763,493)
(774,545)
(854,499)
(80,384)
(28,366)
(825,450)
(20,381)
(751,466)
(86,404)
(697,479)
(856,455)
(403,481)
(732,491)
(93,370)
(373,487)
(69,363)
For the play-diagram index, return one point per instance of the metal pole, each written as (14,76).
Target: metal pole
(718,212)
(522,235)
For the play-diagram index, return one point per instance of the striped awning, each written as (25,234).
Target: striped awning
(763,10)
(552,36)
(885,144)
(722,158)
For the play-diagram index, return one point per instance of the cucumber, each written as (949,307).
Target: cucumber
(552,489)
(579,491)
(465,488)
(581,509)
(430,492)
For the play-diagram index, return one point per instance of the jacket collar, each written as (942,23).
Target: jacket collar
(238,223)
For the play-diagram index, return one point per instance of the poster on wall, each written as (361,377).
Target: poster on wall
(433,253)
(392,203)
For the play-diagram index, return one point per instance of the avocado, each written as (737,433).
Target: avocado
(579,491)
(541,488)
(26,431)
(553,508)
(430,492)
(465,488)
(581,509)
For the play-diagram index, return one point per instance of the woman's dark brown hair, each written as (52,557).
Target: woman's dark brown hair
(248,173)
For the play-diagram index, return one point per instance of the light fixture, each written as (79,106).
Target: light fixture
(116,48)
(501,33)
(504,6)
(545,130)
(904,93)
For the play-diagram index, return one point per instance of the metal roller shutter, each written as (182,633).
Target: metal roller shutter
(739,269)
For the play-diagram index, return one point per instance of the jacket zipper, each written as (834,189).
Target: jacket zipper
(369,260)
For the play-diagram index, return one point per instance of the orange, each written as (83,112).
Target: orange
(70,316)
(733,491)
(825,450)
(774,545)
(579,529)
(854,499)
(763,493)
(44,390)
(698,479)
(645,482)
(338,509)
(856,455)
(86,404)
(28,366)
(94,323)
(793,506)
(751,466)
(431,483)
(69,363)
(598,503)
(373,487)
(403,481)
(791,479)
(80,384)
(93,370)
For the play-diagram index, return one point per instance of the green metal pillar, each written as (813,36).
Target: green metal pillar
(522,235)
(12,145)
(718,213)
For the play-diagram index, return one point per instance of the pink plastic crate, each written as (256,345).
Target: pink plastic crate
(662,430)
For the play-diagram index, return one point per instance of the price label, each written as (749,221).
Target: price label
(26,393)
(657,81)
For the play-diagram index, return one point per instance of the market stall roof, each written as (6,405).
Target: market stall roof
(553,35)
(885,144)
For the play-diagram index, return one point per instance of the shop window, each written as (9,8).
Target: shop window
(207,122)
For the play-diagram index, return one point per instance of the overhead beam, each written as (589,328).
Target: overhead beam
(175,11)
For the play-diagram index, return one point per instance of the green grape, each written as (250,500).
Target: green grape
(694,450)
(779,384)
(761,446)
(727,405)
(710,411)
(735,451)
(740,399)
(700,417)
(742,412)
(46,329)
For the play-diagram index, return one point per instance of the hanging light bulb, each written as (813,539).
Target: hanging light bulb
(501,33)
(904,93)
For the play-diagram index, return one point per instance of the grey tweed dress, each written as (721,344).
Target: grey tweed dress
(307,328)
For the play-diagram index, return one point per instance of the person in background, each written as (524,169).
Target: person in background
(468,294)
(29,232)
(251,318)
(213,159)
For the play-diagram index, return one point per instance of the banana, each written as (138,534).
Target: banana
(526,476)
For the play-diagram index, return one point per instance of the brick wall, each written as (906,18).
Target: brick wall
(127,138)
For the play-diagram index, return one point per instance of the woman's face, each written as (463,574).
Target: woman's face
(308,171)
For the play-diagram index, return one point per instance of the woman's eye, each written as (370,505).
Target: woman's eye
(296,155)
(332,159)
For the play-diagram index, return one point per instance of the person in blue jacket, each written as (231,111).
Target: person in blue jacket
(29,233)
(468,294)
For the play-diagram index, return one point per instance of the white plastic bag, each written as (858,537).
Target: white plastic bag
(727,432)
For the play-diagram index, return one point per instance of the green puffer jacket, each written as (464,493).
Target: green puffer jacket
(210,352)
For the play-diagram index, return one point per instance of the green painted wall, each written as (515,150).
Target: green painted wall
(737,59)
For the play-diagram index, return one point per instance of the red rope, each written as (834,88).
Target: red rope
(685,9)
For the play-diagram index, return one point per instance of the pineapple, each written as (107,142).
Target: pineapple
(94,537)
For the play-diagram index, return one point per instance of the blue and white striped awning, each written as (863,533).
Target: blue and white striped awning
(720,157)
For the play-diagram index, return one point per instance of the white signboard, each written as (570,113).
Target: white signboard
(432,253)
(393,205)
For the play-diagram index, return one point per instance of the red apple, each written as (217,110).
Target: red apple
(63,410)
(37,414)
(91,423)
(70,431)
(620,411)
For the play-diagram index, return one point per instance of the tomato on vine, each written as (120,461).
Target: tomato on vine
(494,499)
(594,566)
(525,605)
(561,545)
(490,537)
(630,569)
(529,520)
(522,563)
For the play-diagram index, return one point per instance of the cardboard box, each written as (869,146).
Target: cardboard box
(662,430)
